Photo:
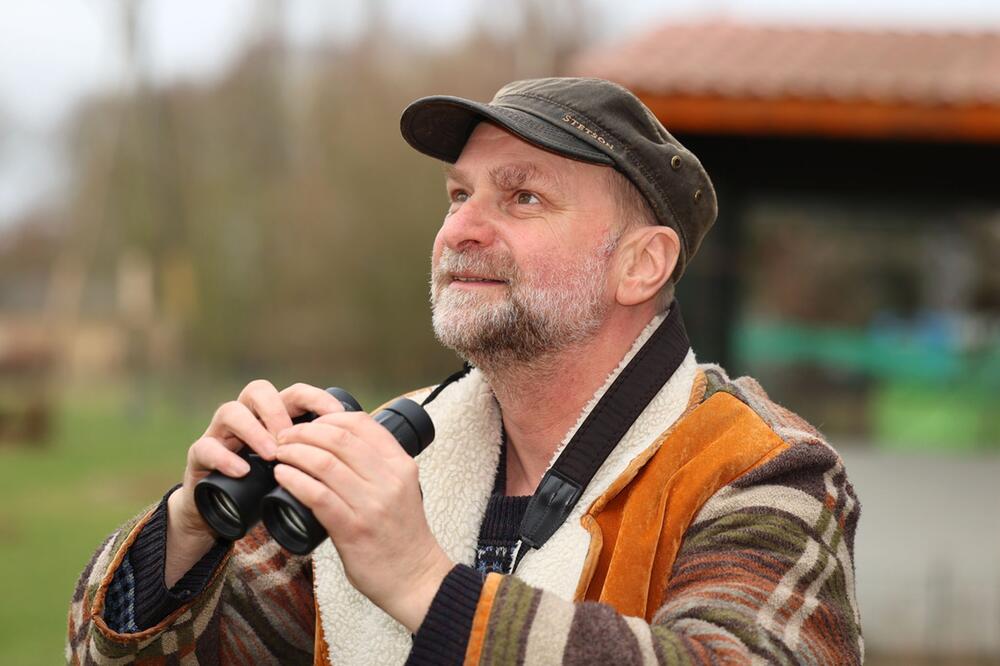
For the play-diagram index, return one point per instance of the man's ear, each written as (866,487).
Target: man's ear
(647,259)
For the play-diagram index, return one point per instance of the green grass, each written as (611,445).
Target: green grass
(59,499)
(113,451)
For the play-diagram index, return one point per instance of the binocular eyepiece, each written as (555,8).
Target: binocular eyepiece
(231,506)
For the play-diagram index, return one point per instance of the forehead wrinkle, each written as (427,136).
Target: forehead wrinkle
(516,175)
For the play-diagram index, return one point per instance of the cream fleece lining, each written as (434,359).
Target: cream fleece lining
(456,475)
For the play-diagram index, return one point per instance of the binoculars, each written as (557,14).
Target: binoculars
(231,506)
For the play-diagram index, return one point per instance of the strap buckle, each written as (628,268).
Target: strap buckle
(549,507)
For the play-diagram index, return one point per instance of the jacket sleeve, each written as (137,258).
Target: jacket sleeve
(257,607)
(764,575)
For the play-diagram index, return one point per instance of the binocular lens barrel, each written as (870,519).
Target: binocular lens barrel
(290,522)
(293,521)
(225,508)
(409,424)
(232,506)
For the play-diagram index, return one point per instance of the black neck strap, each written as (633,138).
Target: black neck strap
(563,484)
(450,379)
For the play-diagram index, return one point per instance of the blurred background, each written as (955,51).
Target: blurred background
(194,195)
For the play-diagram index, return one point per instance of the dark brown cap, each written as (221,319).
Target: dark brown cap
(585,119)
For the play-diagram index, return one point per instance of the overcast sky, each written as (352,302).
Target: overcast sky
(53,52)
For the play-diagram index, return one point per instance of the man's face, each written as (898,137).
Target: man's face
(520,264)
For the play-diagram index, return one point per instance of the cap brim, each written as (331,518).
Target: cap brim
(440,125)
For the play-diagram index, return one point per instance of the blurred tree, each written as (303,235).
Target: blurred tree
(286,225)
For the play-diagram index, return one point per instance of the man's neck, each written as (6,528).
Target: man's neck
(542,399)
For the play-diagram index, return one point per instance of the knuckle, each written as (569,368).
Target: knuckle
(377,512)
(259,384)
(339,436)
(362,529)
(200,453)
(408,469)
(256,386)
(326,499)
(395,486)
(299,388)
(228,410)
(290,392)
(328,465)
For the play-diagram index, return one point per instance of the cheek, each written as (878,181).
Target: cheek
(543,270)
(569,269)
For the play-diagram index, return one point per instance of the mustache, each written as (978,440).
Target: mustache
(477,262)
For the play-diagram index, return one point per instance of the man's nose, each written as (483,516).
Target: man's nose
(472,223)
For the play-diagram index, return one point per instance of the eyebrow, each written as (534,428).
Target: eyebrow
(511,176)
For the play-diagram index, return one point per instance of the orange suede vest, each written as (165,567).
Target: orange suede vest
(637,526)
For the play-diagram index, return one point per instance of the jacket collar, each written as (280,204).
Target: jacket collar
(456,475)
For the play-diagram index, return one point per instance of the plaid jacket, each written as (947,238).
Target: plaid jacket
(748,558)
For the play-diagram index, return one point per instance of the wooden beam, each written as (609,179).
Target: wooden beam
(825,118)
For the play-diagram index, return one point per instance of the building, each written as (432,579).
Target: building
(855,270)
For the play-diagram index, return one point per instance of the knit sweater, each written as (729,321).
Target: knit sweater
(138,598)
(763,573)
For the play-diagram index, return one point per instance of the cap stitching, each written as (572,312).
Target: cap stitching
(628,153)
(547,122)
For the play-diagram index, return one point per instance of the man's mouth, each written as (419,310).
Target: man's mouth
(475,279)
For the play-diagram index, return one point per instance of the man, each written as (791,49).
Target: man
(583,456)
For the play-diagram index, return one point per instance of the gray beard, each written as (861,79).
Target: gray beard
(527,323)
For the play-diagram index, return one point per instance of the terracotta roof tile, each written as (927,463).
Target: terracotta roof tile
(742,61)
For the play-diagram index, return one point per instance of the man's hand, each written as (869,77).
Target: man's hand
(363,488)
(254,419)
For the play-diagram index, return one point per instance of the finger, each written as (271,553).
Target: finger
(265,401)
(367,429)
(234,418)
(327,505)
(332,472)
(209,454)
(301,398)
(351,451)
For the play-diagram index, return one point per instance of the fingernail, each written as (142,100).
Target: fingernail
(240,468)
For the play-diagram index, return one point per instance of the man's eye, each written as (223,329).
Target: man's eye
(455,199)
(527,198)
